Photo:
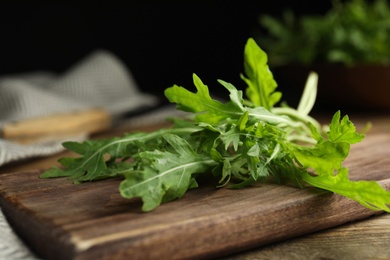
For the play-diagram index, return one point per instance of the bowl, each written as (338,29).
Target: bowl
(364,87)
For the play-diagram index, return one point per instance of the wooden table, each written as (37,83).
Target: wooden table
(364,239)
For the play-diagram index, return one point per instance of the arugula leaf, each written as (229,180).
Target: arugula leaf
(212,111)
(208,109)
(260,81)
(326,160)
(93,165)
(324,157)
(368,193)
(240,142)
(167,175)
(343,131)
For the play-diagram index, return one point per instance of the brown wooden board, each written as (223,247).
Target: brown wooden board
(60,220)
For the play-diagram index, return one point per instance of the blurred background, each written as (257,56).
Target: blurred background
(161,44)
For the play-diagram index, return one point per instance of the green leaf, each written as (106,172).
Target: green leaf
(93,164)
(309,94)
(243,120)
(344,130)
(315,133)
(260,81)
(226,173)
(368,193)
(207,109)
(167,175)
(235,95)
(79,148)
(211,111)
(324,158)
(215,155)
(231,138)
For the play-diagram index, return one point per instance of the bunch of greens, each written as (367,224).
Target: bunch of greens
(355,31)
(239,142)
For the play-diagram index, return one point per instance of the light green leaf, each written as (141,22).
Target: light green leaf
(315,133)
(243,120)
(309,94)
(231,138)
(368,193)
(258,77)
(343,131)
(207,109)
(324,158)
(235,95)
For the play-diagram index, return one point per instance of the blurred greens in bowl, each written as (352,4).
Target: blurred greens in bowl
(349,47)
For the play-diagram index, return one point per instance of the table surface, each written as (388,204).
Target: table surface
(364,239)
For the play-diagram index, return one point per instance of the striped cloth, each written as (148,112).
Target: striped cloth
(100,80)
(11,247)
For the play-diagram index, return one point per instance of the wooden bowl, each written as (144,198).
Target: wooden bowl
(360,87)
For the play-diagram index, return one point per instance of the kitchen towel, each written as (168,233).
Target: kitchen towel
(100,80)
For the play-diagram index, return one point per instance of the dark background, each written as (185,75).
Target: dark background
(161,44)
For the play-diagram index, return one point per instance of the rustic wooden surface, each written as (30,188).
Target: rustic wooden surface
(364,239)
(60,219)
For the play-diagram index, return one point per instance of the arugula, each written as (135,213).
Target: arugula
(350,32)
(240,142)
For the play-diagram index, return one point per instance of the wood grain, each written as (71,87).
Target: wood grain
(60,220)
(364,239)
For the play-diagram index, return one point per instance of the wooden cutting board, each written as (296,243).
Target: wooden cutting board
(60,220)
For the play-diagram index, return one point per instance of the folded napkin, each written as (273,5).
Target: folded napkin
(100,80)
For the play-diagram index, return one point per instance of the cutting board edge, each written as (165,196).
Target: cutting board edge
(15,213)
(220,246)
(35,240)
